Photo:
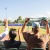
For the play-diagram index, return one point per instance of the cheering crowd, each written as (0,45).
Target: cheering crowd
(33,38)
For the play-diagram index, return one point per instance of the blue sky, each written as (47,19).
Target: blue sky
(24,8)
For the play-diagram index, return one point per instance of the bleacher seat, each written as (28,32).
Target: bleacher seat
(22,48)
(37,49)
(23,45)
(9,49)
(47,48)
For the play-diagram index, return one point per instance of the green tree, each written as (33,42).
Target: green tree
(0,21)
(19,20)
(15,21)
(22,21)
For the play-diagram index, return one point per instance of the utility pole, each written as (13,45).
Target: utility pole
(6,11)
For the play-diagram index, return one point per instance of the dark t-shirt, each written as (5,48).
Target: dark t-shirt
(34,41)
(14,44)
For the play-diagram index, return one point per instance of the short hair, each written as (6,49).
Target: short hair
(12,33)
(35,30)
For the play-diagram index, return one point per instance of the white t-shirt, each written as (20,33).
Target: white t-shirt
(2,35)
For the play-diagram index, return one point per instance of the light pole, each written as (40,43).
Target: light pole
(6,11)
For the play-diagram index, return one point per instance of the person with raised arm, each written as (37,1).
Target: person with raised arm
(12,43)
(35,40)
(3,34)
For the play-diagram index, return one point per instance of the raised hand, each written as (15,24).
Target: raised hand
(5,21)
(27,19)
(44,20)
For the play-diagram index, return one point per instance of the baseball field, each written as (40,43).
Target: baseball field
(28,28)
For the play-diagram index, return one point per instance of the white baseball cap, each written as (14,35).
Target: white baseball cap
(35,24)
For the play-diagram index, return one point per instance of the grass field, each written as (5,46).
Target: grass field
(42,31)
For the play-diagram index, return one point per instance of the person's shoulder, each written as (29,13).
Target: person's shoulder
(44,36)
(26,32)
(48,34)
(6,41)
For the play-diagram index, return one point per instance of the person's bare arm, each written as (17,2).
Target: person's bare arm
(24,33)
(6,23)
(26,21)
(2,35)
(47,27)
(5,38)
(19,34)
